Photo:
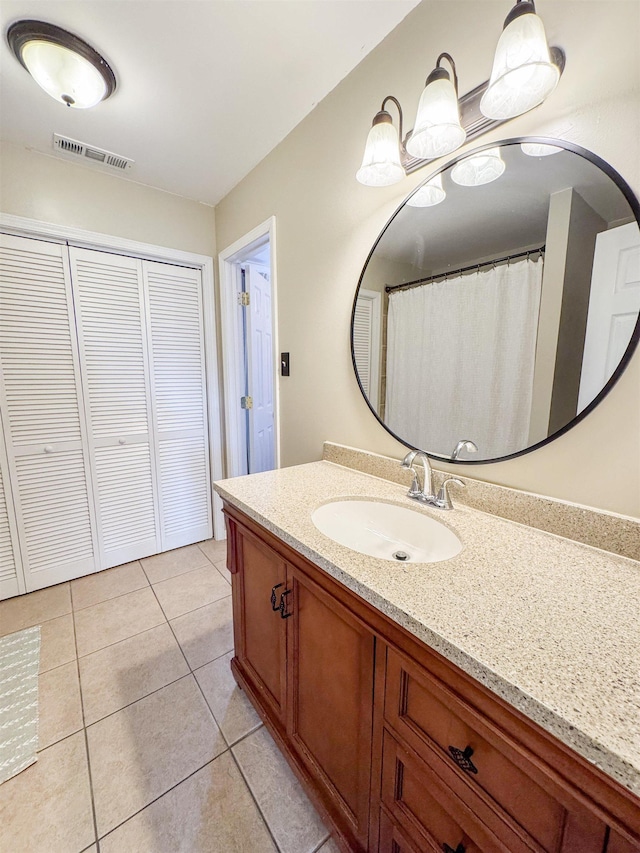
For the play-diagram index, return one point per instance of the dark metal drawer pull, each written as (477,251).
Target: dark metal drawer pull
(274,605)
(459,849)
(283,605)
(463,759)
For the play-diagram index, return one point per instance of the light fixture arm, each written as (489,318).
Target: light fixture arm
(397,103)
(449,59)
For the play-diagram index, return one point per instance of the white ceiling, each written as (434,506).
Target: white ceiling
(206,88)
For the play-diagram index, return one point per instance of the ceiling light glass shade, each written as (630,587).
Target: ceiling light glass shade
(539,149)
(437,129)
(478,169)
(64,65)
(381,164)
(429,194)
(523,74)
(63,74)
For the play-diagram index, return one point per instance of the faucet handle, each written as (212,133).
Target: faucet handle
(444,500)
(414,491)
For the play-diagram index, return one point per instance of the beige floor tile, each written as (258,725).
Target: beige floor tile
(171,563)
(210,812)
(47,807)
(329,846)
(125,672)
(293,821)
(111,583)
(215,549)
(233,712)
(59,704)
(206,633)
(114,620)
(23,611)
(140,752)
(187,592)
(57,642)
(224,571)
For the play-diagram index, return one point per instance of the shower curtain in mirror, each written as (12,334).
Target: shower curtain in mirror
(460,360)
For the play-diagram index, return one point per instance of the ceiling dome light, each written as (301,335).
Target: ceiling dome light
(65,66)
(381,164)
(437,129)
(478,169)
(523,74)
(429,194)
(539,149)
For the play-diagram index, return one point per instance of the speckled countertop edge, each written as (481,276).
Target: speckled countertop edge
(565,651)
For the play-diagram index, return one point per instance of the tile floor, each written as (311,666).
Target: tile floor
(146,743)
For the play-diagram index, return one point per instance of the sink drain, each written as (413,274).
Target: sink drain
(400,555)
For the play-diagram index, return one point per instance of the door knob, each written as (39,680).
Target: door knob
(48,448)
(122,441)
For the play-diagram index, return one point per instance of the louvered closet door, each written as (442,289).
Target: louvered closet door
(42,413)
(174,298)
(108,292)
(11,576)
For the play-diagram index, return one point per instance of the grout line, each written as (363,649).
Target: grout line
(122,639)
(86,740)
(177,575)
(110,598)
(139,699)
(257,804)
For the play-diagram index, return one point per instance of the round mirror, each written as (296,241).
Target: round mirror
(501,302)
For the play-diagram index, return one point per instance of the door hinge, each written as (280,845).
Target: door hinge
(244,298)
(246,402)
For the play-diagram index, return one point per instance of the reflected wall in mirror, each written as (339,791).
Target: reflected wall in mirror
(500,310)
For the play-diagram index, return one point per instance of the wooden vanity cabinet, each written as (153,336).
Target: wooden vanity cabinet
(401,751)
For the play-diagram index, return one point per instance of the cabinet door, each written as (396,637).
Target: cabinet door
(259,631)
(110,313)
(42,414)
(178,388)
(330,700)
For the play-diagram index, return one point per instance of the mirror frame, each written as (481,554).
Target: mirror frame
(634,204)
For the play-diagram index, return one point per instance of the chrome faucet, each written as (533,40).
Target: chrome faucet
(426,492)
(464,444)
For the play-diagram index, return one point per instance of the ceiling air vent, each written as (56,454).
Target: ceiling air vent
(97,155)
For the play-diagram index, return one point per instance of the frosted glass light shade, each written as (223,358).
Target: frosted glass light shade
(539,149)
(64,74)
(429,194)
(381,165)
(478,169)
(523,74)
(437,129)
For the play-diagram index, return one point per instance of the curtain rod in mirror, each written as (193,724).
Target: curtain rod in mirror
(407,285)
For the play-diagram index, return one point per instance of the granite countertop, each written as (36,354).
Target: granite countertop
(548,624)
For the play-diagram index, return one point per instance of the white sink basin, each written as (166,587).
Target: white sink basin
(386,531)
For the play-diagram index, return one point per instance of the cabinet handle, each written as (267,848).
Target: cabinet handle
(462,758)
(283,605)
(274,605)
(459,849)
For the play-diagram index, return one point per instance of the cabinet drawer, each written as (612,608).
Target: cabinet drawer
(426,811)
(391,839)
(435,722)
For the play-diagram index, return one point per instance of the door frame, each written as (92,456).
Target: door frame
(23,227)
(232,343)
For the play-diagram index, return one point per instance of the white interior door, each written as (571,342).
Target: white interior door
(109,300)
(178,389)
(366,342)
(613,307)
(11,575)
(259,348)
(42,414)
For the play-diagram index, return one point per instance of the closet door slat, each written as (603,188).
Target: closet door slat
(174,299)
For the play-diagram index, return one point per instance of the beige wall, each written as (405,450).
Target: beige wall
(326,224)
(65,193)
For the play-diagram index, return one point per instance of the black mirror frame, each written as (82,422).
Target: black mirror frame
(634,204)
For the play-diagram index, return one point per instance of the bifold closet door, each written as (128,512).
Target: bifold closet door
(110,312)
(41,404)
(178,382)
(11,575)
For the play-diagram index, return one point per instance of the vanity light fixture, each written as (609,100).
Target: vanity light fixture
(61,63)
(539,149)
(481,168)
(523,72)
(429,194)
(381,164)
(437,130)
